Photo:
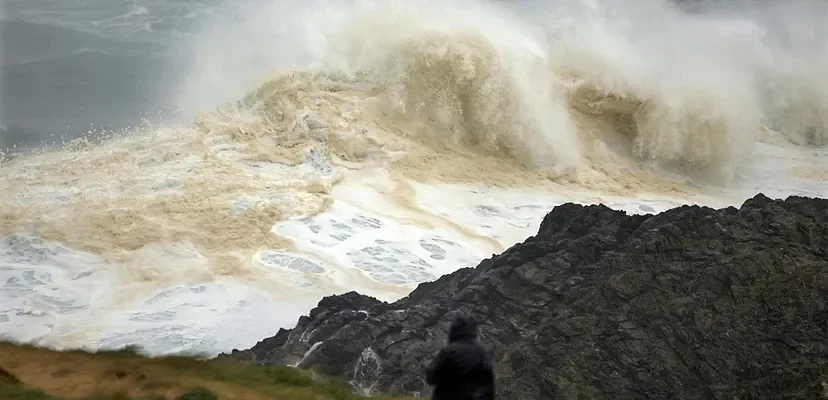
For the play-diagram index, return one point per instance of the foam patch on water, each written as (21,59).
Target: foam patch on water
(41,283)
(385,250)
(203,318)
(780,169)
(54,296)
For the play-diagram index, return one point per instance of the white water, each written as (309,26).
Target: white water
(410,140)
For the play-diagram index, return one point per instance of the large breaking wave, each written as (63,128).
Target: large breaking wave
(687,90)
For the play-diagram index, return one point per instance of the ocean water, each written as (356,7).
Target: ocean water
(190,176)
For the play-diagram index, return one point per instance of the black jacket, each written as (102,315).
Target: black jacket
(463,369)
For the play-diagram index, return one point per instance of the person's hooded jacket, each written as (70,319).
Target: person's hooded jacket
(463,369)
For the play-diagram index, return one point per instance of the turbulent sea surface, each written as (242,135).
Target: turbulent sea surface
(235,161)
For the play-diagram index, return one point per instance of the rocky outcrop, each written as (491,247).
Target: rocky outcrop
(692,303)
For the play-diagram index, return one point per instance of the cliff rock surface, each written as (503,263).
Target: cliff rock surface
(692,303)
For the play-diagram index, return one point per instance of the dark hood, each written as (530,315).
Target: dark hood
(463,328)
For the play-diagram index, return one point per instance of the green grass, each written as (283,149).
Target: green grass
(30,373)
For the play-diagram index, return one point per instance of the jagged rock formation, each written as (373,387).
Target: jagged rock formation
(692,303)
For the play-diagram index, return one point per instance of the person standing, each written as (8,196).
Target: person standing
(463,370)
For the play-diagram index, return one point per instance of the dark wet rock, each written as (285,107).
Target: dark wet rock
(692,303)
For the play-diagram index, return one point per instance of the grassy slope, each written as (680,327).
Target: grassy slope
(30,373)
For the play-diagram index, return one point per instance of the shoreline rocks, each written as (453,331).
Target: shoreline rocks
(691,303)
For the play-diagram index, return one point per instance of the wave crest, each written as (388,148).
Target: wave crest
(456,90)
(686,91)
